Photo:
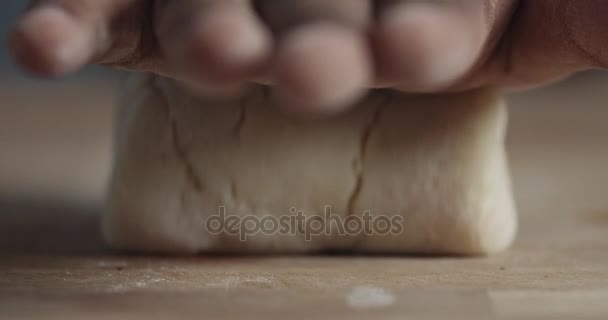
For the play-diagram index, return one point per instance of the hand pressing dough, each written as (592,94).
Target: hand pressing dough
(437,161)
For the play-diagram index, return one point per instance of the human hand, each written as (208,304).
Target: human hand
(320,54)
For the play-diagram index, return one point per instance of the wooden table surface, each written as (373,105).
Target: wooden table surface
(55,141)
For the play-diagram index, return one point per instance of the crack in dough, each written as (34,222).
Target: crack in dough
(242,117)
(359,160)
(178,148)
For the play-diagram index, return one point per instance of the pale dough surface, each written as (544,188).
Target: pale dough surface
(437,161)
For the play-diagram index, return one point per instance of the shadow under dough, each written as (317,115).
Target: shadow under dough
(29,226)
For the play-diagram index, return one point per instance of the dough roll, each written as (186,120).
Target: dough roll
(430,168)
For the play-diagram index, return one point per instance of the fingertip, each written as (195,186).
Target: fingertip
(220,45)
(425,47)
(233,40)
(322,69)
(48,42)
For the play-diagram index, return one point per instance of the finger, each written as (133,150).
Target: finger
(59,36)
(428,45)
(546,41)
(215,42)
(322,60)
(322,69)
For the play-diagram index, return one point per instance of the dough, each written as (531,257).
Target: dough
(432,164)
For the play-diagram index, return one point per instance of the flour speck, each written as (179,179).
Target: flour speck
(366,297)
